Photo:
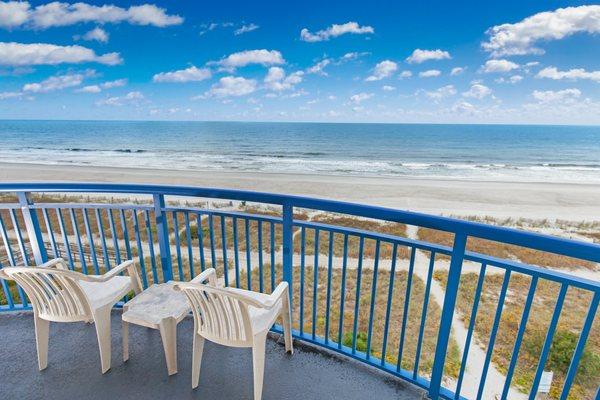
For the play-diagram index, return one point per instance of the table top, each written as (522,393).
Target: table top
(156,303)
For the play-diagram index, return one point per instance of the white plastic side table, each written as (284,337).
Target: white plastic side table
(158,307)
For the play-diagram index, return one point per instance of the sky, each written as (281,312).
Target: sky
(533,62)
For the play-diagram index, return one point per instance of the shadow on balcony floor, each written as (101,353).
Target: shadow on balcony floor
(74,368)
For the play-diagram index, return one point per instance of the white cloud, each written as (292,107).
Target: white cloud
(318,67)
(276,79)
(513,79)
(13,13)
(19,54)
(241,59)
(10,95)
(457,71)
(478,91)
(551,96)
(520,38)
(405,74)
(418,56)
(499,66)
(21,14)
(191,74)
(245,29)
(105,85)
(113,84)
(352,56)
(432,73)
(133,98)
(388,88)
(54,83)
(97,34)
(572,74)
(383,70)
(335,30)
(231,86)
(443,92)
(90,89)
(360,97)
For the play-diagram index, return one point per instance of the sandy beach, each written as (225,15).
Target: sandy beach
(458,197)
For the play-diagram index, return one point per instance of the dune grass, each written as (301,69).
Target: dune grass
(571,320)
(507,251)
(385,251)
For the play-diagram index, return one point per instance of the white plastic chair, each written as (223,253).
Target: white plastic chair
(58,294)
(235,317)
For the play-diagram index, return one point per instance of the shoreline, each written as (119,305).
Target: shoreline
(536,200)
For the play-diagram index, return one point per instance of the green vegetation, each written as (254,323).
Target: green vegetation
(569,326)
(507,251)
(380,299)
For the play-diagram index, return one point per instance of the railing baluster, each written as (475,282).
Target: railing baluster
(20,241)
(115,237)
(302,268)
(357,298)
(211,232)
(424,314)
(224,248)
(585,331)
(178,246)
(162,231)
(7,295)
(188,235)
(248,258)
(138,239)
(151,247)
(125,233)
(200,232)
(9,251)
(515,353)
(32,226)
(406,308)
(102,240)
(315,284)
(75,226)
(288,245)
(11,260)
(548,342)
(471,329)
(388,309)
(236,255)
(272,236)
(458,252)
(63,230)
(260,258)
(328,295)
(373,298)
(90,237)
(50,233)
(343,292)
(494,331)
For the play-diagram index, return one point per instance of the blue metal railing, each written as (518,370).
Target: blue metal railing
(174,242)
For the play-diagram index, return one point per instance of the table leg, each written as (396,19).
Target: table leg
(125,341)
(168,334)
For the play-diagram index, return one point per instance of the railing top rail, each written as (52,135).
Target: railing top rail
(567,247)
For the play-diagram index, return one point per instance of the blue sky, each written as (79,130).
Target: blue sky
(351,61)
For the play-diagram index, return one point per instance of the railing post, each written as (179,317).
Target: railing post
(288,221)
(458,252)
(162,231)
(34,233)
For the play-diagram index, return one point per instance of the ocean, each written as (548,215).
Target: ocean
(566,154)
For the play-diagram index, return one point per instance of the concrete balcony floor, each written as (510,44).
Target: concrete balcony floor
(74,368)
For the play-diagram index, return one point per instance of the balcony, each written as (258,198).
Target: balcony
(412,304)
